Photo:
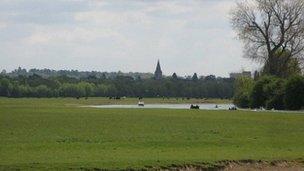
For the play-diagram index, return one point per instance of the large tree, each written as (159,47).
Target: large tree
(268,27)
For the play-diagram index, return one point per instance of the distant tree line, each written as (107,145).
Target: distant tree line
(35,85)
(72,73)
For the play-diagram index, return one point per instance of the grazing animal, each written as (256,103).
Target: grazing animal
(194,107)
(232,108)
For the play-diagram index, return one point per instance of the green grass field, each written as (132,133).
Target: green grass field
(58,134)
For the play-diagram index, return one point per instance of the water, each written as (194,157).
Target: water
(204,106)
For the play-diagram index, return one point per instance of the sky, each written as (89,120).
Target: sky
(187,36)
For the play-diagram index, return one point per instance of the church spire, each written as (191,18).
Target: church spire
(158,72)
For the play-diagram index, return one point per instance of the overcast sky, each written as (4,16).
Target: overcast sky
(128,35)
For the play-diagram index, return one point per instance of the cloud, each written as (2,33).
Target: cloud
(111,19)
(168,7)
(186,35)
(3,25)
(72,35)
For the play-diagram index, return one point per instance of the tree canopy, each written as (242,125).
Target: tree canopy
(35,85)
(269,29)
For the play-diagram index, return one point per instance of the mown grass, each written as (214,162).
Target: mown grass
(57,134)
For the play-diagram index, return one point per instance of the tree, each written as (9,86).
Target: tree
(24,90)
(194,77)
(283,66)
(256,75)
(294,93)
(3,72)
(243,87)
(101,90)
(266,26)
(5,87)
(274,92)
(258,96)
(70,90)
(210,78)
(174,76)
(42,91)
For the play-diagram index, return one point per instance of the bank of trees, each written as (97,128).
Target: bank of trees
(270,92)
(64,86)
(273,34)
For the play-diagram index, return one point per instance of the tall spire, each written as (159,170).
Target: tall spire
(158,66)
(158,72)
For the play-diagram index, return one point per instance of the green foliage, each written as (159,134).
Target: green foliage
(294,93)
(42,91)
(258,95)
(243,87)
(270,92)
(282,65)
(37,86)
(5,87)
(72,90)
(267,92)
(102,90)
(274,91)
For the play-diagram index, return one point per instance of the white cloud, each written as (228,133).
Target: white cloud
(76,35)
(186,35)
(3,25)
(110,19)
(171,7)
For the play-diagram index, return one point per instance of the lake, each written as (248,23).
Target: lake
(205,106)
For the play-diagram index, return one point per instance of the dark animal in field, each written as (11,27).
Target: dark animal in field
(194,107)
(232,108)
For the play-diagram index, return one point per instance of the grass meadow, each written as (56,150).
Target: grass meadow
(58,134)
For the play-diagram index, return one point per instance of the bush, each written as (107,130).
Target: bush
(267,92)
(258,96)
(274,92)
(294,93)
(243,87)
(241,100)
(270,92)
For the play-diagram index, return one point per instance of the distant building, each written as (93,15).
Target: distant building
(158,74)
(240,74)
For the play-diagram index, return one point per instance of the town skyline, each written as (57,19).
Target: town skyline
(157,73)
